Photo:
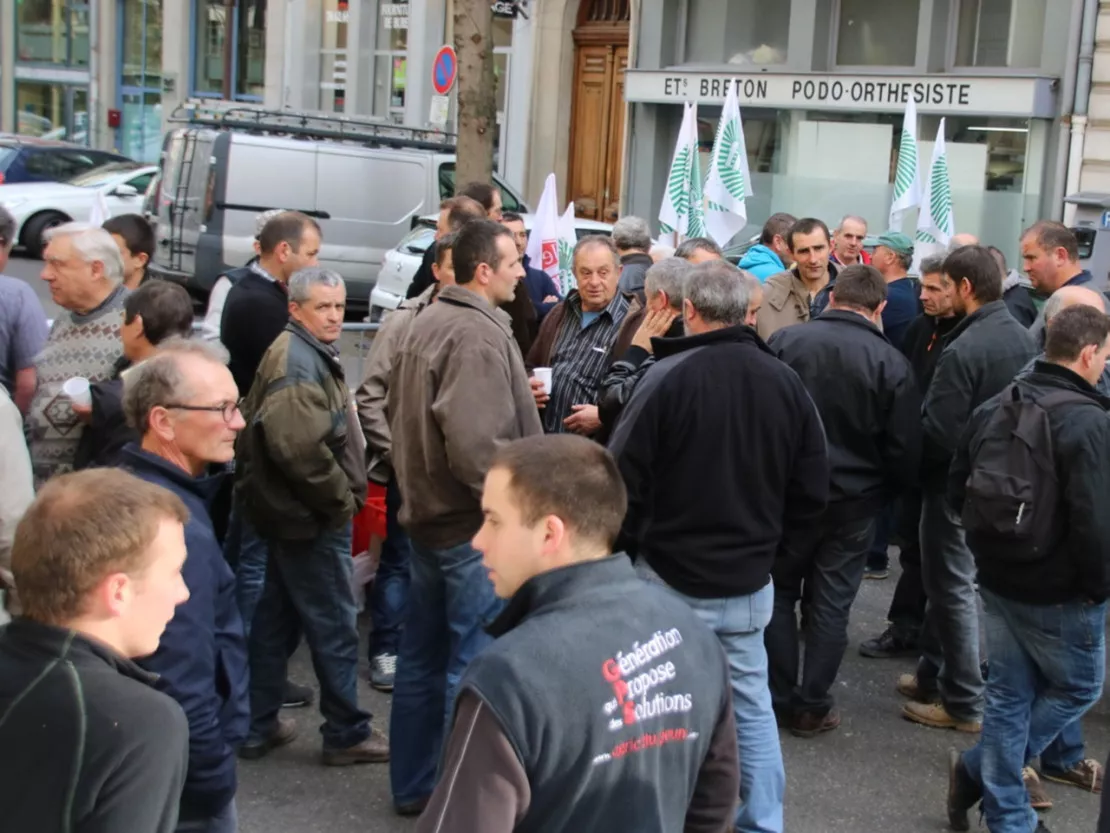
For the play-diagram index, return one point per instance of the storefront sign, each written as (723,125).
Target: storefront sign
(395,15)
(1027,97)
(51,75)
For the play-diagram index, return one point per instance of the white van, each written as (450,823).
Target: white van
(364,182)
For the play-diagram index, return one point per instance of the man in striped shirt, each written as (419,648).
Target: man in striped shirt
(577,339)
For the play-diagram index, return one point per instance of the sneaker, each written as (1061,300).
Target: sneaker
(936,716)
(373,750)
(1039,798)
(810,725)
(297,696)
(383,668)
(908,686)
(876,575)
(283,735)
(1087,775)
(963,792)
(889,644)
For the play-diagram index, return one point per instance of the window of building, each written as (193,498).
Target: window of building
(52,32)
(52,111)
(246,27)
(877,33)
(140,133)
(1000,33)
(390,63)
(739,32)
(333,57)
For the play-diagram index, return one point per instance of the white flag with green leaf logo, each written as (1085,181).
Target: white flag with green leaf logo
(568,238)
(907,178)
(730,181)
(935,223)
(682,211)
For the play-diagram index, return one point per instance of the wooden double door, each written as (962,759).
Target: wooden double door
(597,125)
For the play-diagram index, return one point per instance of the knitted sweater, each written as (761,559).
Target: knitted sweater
(79,345)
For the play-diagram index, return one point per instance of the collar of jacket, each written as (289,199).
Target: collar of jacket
(984,312)
(63,643)
(777,290)
(574,302)
(138,460)
(459,297)
(555,585)
(637,257)
(422,300)
(739,334)
(1081,279)
(329,351)
(1057,376)
(853,319)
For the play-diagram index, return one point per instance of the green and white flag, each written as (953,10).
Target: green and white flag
(907,178)
(682,212)
(935,223)
(730,181)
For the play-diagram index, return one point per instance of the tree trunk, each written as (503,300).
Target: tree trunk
(477,102)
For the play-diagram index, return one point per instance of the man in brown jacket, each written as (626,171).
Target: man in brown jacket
(801,293)
(457,390)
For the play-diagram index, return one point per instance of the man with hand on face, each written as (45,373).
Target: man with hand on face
(457,390)
(549,724)
(801,292)
(576,339)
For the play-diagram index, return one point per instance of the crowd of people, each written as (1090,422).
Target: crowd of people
(609,517)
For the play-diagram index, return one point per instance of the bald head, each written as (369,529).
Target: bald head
(963,239)
(1072,296)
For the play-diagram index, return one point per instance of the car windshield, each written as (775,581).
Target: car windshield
(7,154)
(418,240)
(102,175)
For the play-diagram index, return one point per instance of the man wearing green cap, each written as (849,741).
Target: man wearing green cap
(893,256)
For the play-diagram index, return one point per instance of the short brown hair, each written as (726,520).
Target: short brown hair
(978,267)
(80,529)
(482,192)
(461,210)
(570,477)
(1050,235)
(777,225)
(860,287)
(444,246)
(286,227)
(1073,329)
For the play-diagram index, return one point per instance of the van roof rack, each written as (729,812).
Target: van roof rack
(310,125)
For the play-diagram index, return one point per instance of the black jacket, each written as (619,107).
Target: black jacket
(923,343)
(724,457)
(424,276)
(983,354)
(1080,567)
(1020,304)
(256,311)
(86,743)
(107,433)
(634,266)
(865,392)
(622,377)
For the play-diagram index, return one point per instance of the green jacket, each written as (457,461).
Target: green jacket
(299,466)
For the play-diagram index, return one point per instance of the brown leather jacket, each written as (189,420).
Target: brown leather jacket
(540,354)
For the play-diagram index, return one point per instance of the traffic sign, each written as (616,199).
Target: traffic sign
(445,68)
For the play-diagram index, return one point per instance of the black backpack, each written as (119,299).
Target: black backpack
(1011,503)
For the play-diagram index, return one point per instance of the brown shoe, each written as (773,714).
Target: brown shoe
(284,734)
(810,725)
(1039,798)
(931,714)
(1087,775)
(907,686)
(373,750)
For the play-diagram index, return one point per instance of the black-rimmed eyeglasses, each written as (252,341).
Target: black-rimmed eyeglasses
(228,409)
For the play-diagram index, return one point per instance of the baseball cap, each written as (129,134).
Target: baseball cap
(896,242)
(262,219)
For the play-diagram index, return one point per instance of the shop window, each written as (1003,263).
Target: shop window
(877,33)
(738,32)
(140,133)
(1000,33)
(246,26)
(52,32)
(52,111)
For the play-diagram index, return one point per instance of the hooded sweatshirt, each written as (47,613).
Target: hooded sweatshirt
(762,262)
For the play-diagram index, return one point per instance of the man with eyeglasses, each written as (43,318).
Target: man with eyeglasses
(301,478)
(183,402)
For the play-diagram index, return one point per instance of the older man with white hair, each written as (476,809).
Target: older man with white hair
(83,267)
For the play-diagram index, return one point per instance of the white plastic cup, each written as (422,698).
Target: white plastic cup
(77,389)
(544,375)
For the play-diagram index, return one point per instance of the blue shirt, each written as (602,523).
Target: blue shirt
(902,307)
(23,330)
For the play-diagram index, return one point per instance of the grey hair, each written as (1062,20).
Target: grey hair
(687,247)
(854,218)
(7,229)
(932,265)
(601,241)
(720,292)
(668,275)
(93,245)
(632,233)
(159,380)
(300,285)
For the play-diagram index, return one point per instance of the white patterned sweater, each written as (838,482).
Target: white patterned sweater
(79,345)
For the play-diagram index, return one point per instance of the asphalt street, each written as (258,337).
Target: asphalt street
(876,773)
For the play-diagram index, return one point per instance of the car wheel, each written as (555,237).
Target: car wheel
(35,229)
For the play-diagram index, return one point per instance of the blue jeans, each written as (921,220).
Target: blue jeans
(225,821)
(308,586)
(246,552)
(451,600)
(1066,751)
(390,595)
(739,623)
(1047,667)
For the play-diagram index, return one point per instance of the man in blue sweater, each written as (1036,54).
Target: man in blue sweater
(184,402)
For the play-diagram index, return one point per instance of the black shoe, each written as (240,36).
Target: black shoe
(889,644)
(411,808)
(1041,827)
(963,792)
(283,735)
(297,696)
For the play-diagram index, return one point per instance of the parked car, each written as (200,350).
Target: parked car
(363,181)
(401,262)
(28,159)
(38,206)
